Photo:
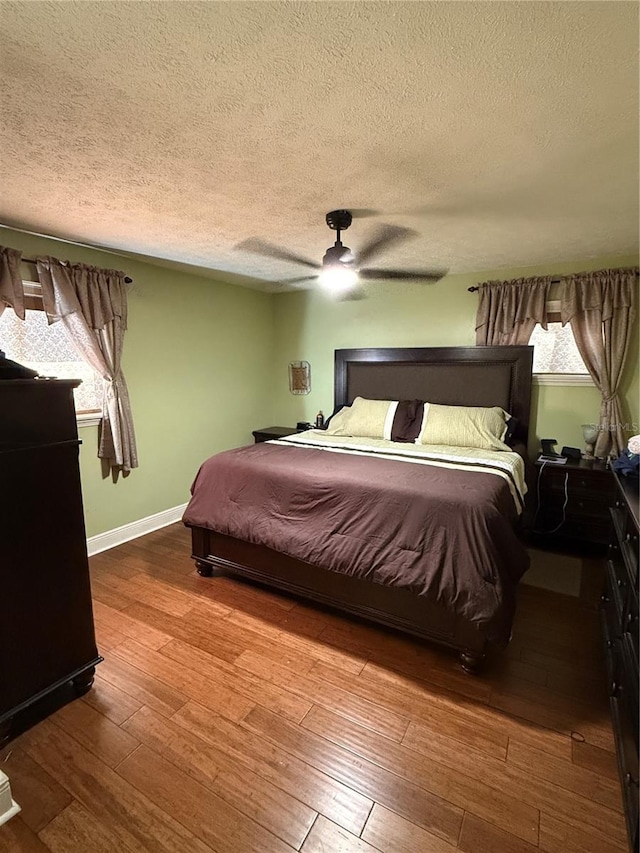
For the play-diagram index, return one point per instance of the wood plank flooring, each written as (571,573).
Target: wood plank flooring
(228,718)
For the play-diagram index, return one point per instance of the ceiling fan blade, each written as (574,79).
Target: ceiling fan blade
(387,236)
(261,247)
(296,280)
(363,212)
(402,275)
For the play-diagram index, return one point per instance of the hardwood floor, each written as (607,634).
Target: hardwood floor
(229,718)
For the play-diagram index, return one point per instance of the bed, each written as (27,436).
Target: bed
(440,561)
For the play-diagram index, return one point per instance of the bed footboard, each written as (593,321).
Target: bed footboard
(393,608)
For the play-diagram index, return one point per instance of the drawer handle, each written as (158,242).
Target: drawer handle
(628,778)
(615,688)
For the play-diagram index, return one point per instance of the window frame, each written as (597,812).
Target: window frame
(553,315)
(33,302)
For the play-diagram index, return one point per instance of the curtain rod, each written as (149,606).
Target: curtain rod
(553,281)
(127,279)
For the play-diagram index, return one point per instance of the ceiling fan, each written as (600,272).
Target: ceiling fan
(341,271)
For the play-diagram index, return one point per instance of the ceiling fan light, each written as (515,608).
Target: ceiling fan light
(338,279)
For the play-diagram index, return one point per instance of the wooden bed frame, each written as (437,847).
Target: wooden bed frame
(473,376)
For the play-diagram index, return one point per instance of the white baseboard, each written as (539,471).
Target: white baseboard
(8,806)
(119,535)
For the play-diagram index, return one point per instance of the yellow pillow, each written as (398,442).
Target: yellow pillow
(370,418)
(464,426)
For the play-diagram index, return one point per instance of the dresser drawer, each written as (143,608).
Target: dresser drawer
(618,571)
(612,603)
(627,535)
(23,404)
(610,622)
(630,627)
(627,753)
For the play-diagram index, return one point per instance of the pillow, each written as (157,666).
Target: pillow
(336,411)
(464,426)
(391,419)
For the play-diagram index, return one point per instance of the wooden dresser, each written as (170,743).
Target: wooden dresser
(620,628)
(46,631)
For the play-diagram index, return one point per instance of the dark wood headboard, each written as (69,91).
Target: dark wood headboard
(450,376)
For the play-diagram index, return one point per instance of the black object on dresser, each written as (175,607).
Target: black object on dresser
(268,433)
(46,628)
(619,614)
(573,502)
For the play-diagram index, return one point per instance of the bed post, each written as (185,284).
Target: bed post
(471,662)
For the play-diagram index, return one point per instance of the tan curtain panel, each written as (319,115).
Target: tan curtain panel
(11,288)
(601,307)
(91,303)
(509,310)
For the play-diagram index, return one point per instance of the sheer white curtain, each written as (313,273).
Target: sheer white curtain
(91,303)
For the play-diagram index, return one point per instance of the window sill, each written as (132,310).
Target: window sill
(565,379)
(89,420)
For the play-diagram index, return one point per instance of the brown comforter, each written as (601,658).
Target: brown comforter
(447,535)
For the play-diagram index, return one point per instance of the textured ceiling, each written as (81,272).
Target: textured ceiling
(505,133)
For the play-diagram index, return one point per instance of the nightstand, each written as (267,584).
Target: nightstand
(588,487)
(267,433)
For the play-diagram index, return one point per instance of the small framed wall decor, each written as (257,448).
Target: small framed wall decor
(299,377)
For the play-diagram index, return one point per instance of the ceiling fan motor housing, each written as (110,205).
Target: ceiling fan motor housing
(338,220)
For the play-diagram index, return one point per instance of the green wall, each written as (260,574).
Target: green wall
(310,326)
(197,359)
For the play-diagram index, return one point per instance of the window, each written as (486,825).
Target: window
(48,350)
(556,358)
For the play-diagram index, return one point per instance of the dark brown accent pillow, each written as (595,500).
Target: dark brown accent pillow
(407,421)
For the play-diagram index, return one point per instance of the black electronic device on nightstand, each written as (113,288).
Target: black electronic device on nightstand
(571,452)
(547,446)
(548,453)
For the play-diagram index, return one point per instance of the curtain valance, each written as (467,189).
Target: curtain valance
(604,290)
(509,310)
(98,294)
